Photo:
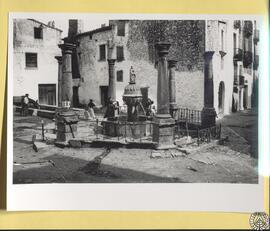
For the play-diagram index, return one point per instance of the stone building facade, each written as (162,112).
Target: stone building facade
(35,71)
(132,43)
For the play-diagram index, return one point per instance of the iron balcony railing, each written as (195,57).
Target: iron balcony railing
(241,80)
(237,24)
(256,62)
(248,28)
(256,36)
(238,54)
(236,80)
(247,58)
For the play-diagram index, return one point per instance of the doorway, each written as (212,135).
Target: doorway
(75,97)
(245,99)
(103,95)
(221,94)
(47,94)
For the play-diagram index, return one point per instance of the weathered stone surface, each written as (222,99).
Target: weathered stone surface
(61,144)
(64,136)
(39,145)
(183,141)
(50,141)
(61,127)
(75,143)
(156,154)
(163,132)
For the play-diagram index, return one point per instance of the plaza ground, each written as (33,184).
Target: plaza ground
(231,162)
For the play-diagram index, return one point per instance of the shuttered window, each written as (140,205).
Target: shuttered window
(121,28)
(38,33)
(120,53)
(102,52)
(119,76)
(31,60)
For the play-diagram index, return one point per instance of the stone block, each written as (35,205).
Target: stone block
(62,127)
(75,143)
(64,136)
(163,132)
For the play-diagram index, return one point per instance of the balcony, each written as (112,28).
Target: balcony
(248,28)
(247,59)
(256,62)
(237,54)
(237,24)
(236,80)
(241,80)
(256,37)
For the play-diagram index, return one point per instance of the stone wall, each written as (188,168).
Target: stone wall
(187,38)
(26,80)
(188,45)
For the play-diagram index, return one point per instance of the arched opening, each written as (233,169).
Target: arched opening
(221,94)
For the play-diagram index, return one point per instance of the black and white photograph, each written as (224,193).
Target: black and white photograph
(132,105)
(135,101)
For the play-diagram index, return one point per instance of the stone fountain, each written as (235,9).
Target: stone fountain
(132,97)
(133,124)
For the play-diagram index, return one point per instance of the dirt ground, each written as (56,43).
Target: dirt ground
(231,162)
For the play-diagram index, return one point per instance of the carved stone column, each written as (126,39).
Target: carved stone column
(112,81)
(172,88)
(67,83)
(66,119)
(59,59)
(208,112)
(163,129)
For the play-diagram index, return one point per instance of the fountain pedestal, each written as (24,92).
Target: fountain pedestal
(163,131)
(66,122)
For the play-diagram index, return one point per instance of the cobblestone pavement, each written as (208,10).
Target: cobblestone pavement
(245,125)
(227,163)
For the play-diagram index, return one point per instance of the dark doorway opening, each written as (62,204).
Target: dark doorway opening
(75,97)
(103,95)
(221,93)
(47,94)
(245,99)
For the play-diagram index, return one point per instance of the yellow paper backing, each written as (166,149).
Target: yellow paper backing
(116,220)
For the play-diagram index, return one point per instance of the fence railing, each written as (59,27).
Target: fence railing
(188,115)
(208,134)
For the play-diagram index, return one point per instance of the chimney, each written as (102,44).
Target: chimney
(75,27)
(51,24)
(103,25)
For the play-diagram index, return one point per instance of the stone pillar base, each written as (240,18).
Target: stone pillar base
(66,122)
(163,131)
(208,117)
(173,109)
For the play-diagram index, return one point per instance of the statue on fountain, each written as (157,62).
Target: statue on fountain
(132,96)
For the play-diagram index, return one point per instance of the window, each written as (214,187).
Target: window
(120,53)
(222,40)
(102,52)
(119,76)
(31,60)
(121,28)
(47,94)
(38,33)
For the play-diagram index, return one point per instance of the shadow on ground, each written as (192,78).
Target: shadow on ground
(72,170)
